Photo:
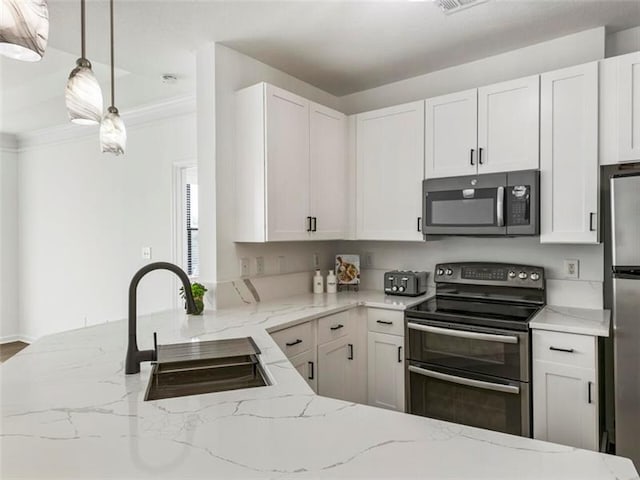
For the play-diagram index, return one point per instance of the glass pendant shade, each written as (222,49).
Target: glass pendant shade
(113,135)
(24,29)
(83,95)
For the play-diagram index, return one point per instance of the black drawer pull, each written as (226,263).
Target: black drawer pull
(384,322)
(480,156)
(350,355)
(310,370)
(291,344)
(589,391)
(419,224)
(399,354)
(471,160)
(566,350)
(337,327)
(314,223)
(308,224)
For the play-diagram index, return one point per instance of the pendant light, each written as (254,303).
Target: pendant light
(113,136)
(24,29)
(83,95)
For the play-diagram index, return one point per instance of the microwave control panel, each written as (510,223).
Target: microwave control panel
(519,205)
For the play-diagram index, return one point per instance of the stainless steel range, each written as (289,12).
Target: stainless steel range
(468,348)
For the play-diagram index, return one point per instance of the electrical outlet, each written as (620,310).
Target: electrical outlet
(244,267)
(282,265)
(368,260)
(260,265)
(316,261)
(571,268)
(146,253)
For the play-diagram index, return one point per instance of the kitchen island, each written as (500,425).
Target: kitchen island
(69,411)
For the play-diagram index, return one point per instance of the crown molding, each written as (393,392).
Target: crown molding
(8,142)
(171,107)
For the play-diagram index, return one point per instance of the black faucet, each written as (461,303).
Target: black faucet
(135,356)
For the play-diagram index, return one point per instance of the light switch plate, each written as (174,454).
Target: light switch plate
(244,267)
(571,268)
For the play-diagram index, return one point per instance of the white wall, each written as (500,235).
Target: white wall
(574,49)
(84,217)
(234,71)
(625,41)
(9,314)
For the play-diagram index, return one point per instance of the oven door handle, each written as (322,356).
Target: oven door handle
(488,337)
(469,382)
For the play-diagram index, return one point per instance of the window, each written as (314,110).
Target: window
(187,244)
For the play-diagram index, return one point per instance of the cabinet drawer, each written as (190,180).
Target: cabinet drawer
(333,327)
(565,348)
(385,321)
(295,340)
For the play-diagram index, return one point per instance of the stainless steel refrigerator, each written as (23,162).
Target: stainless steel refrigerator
(625,261)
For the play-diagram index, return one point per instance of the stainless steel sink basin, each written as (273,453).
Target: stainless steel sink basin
(205,367)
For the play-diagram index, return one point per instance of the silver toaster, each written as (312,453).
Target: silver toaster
(405,282)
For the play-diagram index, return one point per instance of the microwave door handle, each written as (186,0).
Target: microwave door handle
(487,337)
(500,206)
(497,387)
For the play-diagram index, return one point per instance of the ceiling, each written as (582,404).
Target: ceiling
(338,46)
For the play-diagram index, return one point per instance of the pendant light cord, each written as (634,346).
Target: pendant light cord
(112,61)
(83,55)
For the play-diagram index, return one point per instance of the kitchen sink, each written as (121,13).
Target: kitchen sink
(205,367)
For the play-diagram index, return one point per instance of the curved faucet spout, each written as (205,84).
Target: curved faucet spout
(135,356)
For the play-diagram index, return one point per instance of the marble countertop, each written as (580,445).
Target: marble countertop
(583,321)
(69,411)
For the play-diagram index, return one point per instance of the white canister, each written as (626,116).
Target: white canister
(332,286)
(318,282)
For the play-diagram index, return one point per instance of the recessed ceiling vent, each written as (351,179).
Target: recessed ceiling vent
(454,6)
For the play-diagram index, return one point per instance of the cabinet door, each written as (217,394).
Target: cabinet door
(287,165)
(329,175)
(508,129)
(386,371)
(565,404)
(451,134)
(338,375)
(390,169)
(569,155)
(629,107)
(306,365)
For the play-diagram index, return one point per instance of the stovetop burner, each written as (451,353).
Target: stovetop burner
(485,295)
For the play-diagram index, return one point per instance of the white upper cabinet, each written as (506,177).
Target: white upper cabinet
(508,124)
(291,167)
(389,172)
(451,134)
(287,165)
(329,173)
(569,155)
(486,130)
(629,107)
(620,109)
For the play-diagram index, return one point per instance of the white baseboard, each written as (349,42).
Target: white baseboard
(16,338)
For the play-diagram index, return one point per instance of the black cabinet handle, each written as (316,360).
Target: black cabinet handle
(314,223)
(419,224)
(399,354)
(480,156)
(311,371)
(471,159)
(291,344)
(308,224)
(589,391)
(591,215)
(337,327)
(350,346)
(557,349)
(384,322)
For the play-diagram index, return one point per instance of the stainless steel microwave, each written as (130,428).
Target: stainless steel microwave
(495,204)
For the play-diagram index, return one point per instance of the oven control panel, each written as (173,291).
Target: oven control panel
(506,274)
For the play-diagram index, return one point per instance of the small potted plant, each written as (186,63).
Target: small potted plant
(197,290)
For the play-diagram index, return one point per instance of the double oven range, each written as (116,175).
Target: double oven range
(468,348)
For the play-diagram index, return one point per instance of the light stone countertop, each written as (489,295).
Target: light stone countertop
(69,411)
(583,321)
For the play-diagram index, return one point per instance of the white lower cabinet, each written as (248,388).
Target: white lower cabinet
(306,365)
(565,389)
(386,371)
(338,367)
